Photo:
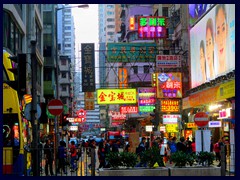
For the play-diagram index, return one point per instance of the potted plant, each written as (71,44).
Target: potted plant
(181,159)
(205,158)
(152,156)
(114,160)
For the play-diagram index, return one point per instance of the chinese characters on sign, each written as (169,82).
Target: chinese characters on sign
(88,67)
(171,118)
(116,96)
(146,99)
(128,109)
(168,61)
(151,27)
(170,105)
(89,100)
(131,52)
(169,85)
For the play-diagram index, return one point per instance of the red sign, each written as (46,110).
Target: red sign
(55,107)
(201,119)
(128,109)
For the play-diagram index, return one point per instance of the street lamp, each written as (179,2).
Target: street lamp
(56,123)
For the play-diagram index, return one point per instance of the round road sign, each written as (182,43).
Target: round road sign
(55,107)
(201,119)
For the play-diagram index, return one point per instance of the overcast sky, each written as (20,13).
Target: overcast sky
(86,25)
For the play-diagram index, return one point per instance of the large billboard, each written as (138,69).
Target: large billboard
(213,44)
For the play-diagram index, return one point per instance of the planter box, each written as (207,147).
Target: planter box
(195,171)
(135,172)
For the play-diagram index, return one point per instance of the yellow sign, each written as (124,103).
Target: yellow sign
(170,105)
(123,77)
(191,125)
(170,128)
(89,101)
(116,96)
(226,90)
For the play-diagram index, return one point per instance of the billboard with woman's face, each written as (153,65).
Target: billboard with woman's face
(212,46)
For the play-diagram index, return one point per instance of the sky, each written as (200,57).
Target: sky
(86,31)
(86,25)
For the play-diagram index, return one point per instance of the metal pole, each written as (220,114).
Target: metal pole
(34,121)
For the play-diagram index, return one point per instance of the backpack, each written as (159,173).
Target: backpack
(173,147)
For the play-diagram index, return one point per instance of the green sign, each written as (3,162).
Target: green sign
(131,52)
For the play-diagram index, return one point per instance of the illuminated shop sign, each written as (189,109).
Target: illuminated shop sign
(128,109)
(214,124)
(169,85)
(151,27)
(116,96)
(171,118)
(146,99)
(171,128)
(117,115)
(170,105)
(131,23)
(123,77)
(191,125)
(154,79)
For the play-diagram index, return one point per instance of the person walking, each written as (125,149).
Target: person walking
(140,149)
(73,154)
(61,158)
(222,144)
(48,155)
(216,150)
(173,147)
(101,154)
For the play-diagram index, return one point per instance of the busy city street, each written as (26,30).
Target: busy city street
(119,90)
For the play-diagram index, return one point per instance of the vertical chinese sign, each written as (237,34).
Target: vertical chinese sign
(88,67)
(89,100)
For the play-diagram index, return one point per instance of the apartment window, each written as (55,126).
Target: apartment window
(146,69)
(110,33)
(110,19)
(135,69)
(64,75)
(110,26)
(110,13)
(67,10)
(67,27)
(64,88)
(165,11)
(110,6)
(67,33)
(67,45)
(63,62)
(67,39)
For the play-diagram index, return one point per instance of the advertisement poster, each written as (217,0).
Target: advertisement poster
(212,43)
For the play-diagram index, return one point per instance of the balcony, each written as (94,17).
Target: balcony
(48,89)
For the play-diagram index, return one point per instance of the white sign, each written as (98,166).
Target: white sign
(171,118)
(168,61)
(73,128)
(214,124)
(149,128)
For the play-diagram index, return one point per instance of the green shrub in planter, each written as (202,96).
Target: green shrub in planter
(205,157)
(151,156)
(181,159)
(122,159)
(114,160)
(128,159)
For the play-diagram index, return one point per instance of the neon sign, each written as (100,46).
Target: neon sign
(152,27)
(169,105)
(116,96)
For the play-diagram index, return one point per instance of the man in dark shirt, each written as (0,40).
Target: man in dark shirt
(181,145)
(48,154)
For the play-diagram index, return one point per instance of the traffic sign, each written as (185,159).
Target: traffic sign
(55,107)
(201,119)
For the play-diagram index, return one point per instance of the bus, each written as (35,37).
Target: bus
(15,159)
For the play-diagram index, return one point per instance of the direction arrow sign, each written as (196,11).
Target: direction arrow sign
(55,107)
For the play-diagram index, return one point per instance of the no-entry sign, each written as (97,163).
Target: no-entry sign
(55,107)
(201,119)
